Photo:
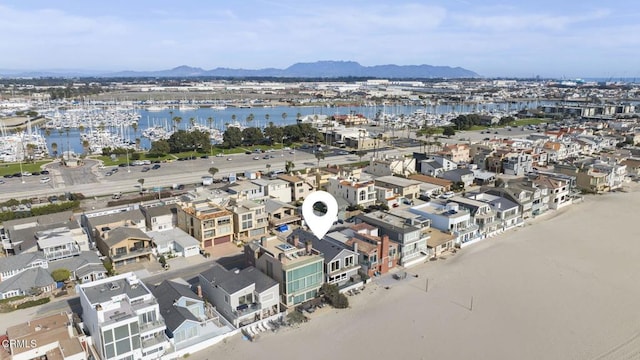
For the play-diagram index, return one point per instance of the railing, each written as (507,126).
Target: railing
(144,327)
(251,308)
(62,253)
(284,220)
(132,253)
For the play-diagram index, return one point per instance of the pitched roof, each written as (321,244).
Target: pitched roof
(121,233)
(83,264)
(233,281)
(19,261)
(167,293)
(37,277)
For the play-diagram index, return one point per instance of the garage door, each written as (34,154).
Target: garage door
(222,240)
(207,243)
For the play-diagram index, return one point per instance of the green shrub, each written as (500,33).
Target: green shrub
(60,274)
(32,303)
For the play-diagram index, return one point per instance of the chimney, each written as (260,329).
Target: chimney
(281,256)
(263,241)
(355,247)
(199,291)
(308,247)
(294,240)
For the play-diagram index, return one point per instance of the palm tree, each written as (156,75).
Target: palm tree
(360,154)
(138,143)
(298,117)
(30,150)
(54,149)
(233,117)
(213,171)
(176,122)
(210,122)
(192,121)
(266,118)
(134,126)
(284,117)
(249,119)
(288,166)
(85,146)
(319,156)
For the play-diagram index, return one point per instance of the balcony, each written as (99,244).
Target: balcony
(133,252)
(53,255)
(153,341)
(152,326)
(246,309)
(275,221)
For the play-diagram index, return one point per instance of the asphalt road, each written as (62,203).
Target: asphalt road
(93,182)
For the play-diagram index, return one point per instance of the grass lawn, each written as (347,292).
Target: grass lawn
(12,168)
(530,121)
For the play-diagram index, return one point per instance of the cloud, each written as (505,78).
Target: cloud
(528,22)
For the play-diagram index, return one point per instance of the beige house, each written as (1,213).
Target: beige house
(300,187)
(206,221)
(249,220)
(124,245)
(406,188)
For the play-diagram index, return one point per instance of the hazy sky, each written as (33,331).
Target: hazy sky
(493,38)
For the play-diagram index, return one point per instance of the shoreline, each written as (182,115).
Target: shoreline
(530,293)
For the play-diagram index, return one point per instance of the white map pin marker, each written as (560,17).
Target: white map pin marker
(319,225)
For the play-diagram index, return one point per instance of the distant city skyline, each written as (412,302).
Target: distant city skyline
(494,38)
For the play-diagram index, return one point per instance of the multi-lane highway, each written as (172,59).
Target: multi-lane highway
(92,181)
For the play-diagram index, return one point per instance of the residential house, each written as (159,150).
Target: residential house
(396,165)
(449,217)
(437,185)
(85,267)
(482,214)
(518,164)
(28,282)
(209,223)
(458,153)
(124,245)
(249,220)
(275,189)
(281,216)
(506,211)
(558,189)
(386,196)
(633,166)
(341,265)
(587,178)
(174,241)
(60,243)
(246,190)
(483,177)
(555,150)
(300,188)
(161,217)
(523,190)
(241,296)
(50,337)
(17,235)
(123,318)
(406,188)
(436,165)
(299,271)
(13,265)
(464,176)
(354,192)
(188,319)
(439,242)
(410,233)
(377,255)
(97,222)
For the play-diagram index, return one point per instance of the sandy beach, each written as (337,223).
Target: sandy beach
(565,287)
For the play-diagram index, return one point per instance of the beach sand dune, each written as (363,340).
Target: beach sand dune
(565,287)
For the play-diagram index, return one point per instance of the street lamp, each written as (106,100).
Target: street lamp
(128,167)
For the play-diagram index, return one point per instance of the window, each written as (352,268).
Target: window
(363,196)
(247,221)
(224,221)
(245,299)
(123,346)
(107,336)
(335,265)
(121,332)
(110,351)
(348,261)
(121,250)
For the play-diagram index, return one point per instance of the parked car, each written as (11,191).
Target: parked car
(447,195)
(145,169)
(219,155)
(116,196)
(229,159)
(1,181)
(155,167)
(256,158)
(26,173)
(45,180)
(44,172)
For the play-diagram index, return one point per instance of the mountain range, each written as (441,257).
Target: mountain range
(318,69)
